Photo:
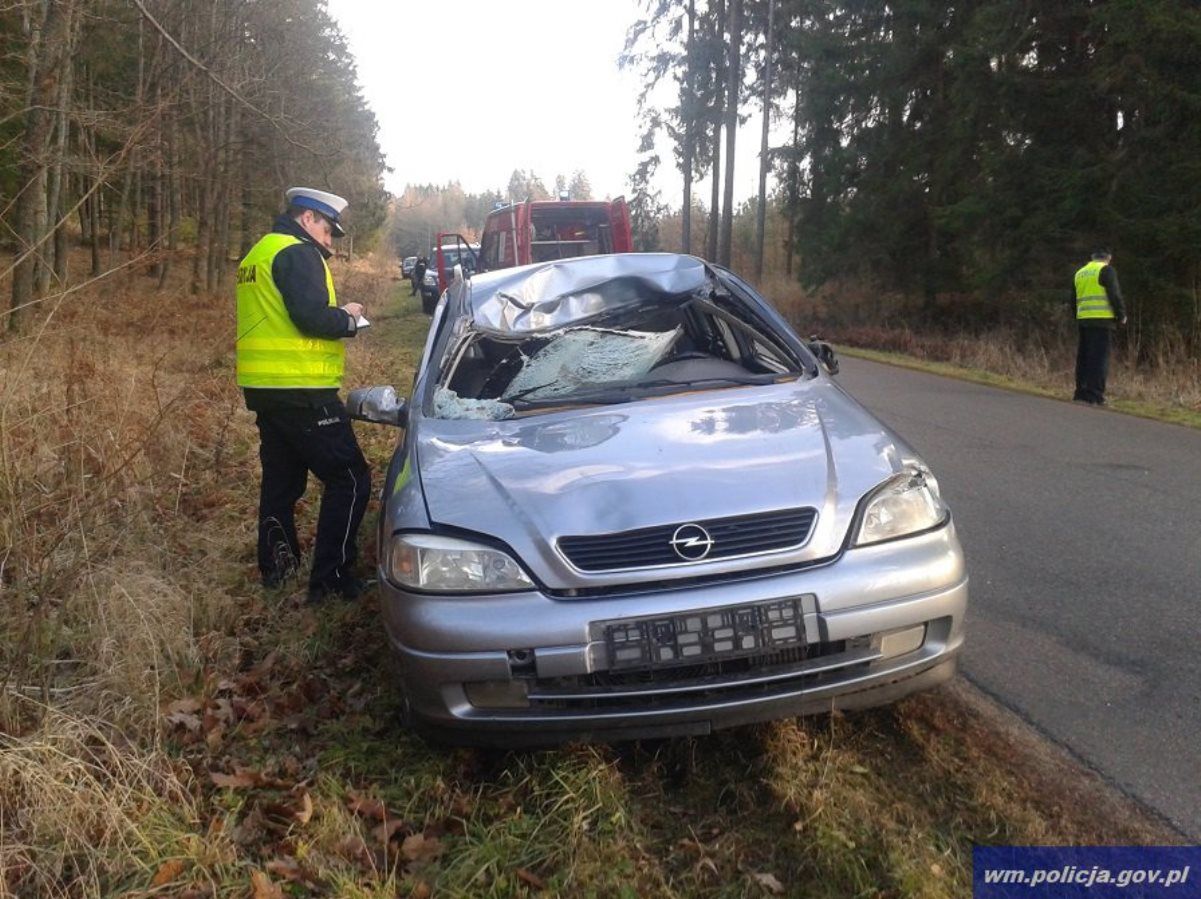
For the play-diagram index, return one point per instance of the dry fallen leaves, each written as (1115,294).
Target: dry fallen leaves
(187,705)
(263,887)
(239,781)
(769,883)
(353,849)
(305,813)
(421,849)
(286,867)
(367,807)
(189,722)
(386,831)
(167,872)
(530,878)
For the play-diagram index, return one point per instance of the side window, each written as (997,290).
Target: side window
(768,357)
(488,248)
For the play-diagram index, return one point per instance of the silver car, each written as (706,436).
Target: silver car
(630,502)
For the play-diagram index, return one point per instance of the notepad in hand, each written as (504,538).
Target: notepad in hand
(361,322)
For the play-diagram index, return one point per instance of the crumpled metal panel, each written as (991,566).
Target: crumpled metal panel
(557,294)
(586,357)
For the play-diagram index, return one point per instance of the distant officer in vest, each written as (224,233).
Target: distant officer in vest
(290,354)
(1097,299)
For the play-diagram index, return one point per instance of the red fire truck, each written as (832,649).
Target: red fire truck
(538,231)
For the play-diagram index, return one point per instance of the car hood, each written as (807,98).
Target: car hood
(669,460)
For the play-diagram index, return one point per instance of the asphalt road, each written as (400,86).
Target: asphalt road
(1082,529)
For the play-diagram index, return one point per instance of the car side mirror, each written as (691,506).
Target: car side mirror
(378,405)
(824,353)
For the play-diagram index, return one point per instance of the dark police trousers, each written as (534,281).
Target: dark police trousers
(294,442)
(1092,364)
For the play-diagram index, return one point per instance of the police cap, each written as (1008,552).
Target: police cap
(329,205)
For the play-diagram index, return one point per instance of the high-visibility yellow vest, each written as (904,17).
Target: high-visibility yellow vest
(1091,299)
(271,350)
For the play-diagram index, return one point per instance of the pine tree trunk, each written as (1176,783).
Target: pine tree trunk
(56,205)
(117,213)
(246,234)
(715,160)
(154,203)
(84,210)
(94,216)
(688,108)
(761,208)
(173,201)
(733,77)
(794,179)
(88,140)
(39,126)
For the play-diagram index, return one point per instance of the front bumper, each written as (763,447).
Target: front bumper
(880,622)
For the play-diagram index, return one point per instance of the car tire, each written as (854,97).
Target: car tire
(428,303)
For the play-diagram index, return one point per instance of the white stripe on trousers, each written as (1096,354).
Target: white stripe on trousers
(353,500)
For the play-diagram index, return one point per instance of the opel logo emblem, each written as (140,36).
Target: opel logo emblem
(691,542)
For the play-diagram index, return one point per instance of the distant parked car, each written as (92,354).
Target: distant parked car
(406,266)
(631,502)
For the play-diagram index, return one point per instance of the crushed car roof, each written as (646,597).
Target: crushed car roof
(553,295)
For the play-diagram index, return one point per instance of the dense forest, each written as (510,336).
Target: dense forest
(966,155)
(147,126)
(963,156)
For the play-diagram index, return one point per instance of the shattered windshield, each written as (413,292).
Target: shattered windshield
(566,338)
(584,357)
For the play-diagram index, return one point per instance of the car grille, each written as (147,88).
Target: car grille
(743,535)
(718,680)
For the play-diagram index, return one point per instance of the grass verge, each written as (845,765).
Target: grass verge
(1173,414)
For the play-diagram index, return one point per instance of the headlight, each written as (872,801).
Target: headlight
(905,505)
(445,565)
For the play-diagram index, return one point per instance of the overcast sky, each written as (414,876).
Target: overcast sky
(471,90)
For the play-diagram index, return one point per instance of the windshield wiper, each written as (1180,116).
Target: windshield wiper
(626,393)
(522,394)
(574,399)
(736,380)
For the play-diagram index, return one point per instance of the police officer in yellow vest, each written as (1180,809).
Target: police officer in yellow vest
(1097,299)
(290,355)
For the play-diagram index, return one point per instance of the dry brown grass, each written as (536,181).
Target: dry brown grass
(1041,354)
(127,483)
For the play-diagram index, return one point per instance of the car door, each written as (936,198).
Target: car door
(454,249)
(619,216)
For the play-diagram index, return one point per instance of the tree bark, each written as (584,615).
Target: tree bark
(733,79)
(60,176)
(39,125)
(173,200)
(761,209)
(794,179)
(154,203)
(715,160)
(688,108)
